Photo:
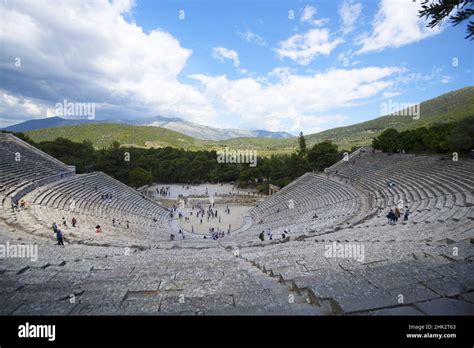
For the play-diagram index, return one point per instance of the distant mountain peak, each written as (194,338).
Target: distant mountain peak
(176,124)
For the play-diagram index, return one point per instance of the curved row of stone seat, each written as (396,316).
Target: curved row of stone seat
(428,175)
(310,192)
(23,167)
(302,221)
(86,194)
(114,280)
(430,266)
(433,189)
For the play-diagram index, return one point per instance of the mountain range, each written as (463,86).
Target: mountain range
(162,131)
(176,124)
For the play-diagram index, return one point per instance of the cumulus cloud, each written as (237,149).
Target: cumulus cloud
(294,98)
(396,24)
(85,51)
(14,109)
(308,15)
(303,48)
(349,11)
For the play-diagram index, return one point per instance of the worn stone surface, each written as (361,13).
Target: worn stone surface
(139,271)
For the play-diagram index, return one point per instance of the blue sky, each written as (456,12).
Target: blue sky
(276,65)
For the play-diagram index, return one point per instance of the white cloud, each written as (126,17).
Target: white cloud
(85,51)
(396,24)
(252,37)
(14,106)
(313,124)
(222,53)
(281,73)
(349,11)
(390,94)
(304,48)
(15,109)
(308,17)
(446,79)
(346,58)
(294,99)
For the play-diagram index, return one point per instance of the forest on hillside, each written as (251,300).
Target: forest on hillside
(139,166)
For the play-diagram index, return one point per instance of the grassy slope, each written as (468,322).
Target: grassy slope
(104,134)
(452,106)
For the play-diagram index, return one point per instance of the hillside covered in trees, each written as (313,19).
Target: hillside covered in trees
(140,166)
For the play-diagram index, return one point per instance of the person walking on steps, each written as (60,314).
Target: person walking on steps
(59,237)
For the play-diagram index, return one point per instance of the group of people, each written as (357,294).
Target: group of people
(97,229)
(73,221)
(395,214)
(106,197)
(19,205)
(163,191)
(172,236)
(269,234)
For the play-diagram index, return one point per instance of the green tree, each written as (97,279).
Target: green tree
(302,144)
(139,177)
(456,11)
(387,141)
(323,155)
(461,137)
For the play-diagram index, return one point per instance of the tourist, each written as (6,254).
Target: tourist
(98,229)
(64,222)
(407,213)
(73,221)
(391,217)
(397,214)
(171,236)
(55,227)
(59,237)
